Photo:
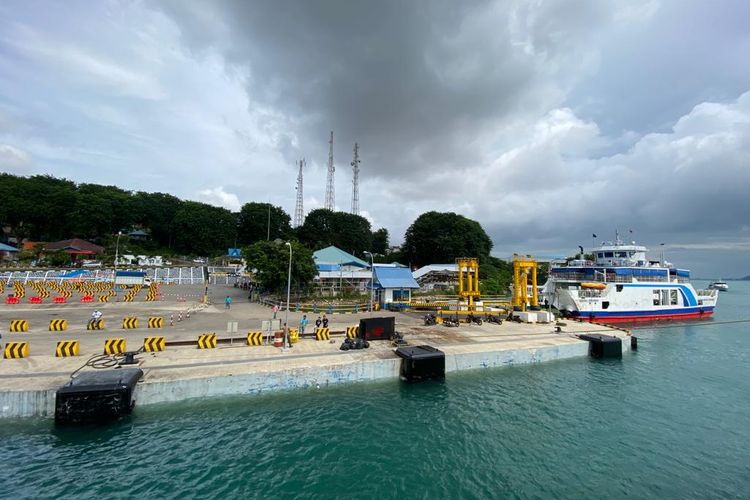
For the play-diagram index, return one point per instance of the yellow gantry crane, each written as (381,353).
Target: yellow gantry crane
(468,280)
(522,266)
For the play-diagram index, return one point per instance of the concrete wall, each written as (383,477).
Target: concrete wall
(41,402)
(263,382)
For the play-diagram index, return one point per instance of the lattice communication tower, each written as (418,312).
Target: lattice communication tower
(330,202)
(299,211)
(355,180)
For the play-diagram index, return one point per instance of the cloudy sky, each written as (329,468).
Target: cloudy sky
(546,121)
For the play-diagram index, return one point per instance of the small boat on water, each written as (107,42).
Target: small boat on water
(621,284)
(719,285)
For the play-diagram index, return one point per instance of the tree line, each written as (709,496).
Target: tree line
(45,208)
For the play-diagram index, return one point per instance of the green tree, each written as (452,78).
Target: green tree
(441,237)
(100,210)
(380,241)
(349,232)
(43,208)
(155,212)
(202,229)
(57,258)
(270,259)
(495,276)
(254,223)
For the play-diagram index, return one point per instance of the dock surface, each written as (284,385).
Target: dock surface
(27,385)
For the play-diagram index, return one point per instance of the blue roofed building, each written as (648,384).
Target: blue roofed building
(7,252)
(339,271)
(393,283)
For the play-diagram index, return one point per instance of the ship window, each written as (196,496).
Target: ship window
(605,304)
(621,255)
(600,255)
(608,255)
(657,298)
(673,297)
(665,297)
(618,288)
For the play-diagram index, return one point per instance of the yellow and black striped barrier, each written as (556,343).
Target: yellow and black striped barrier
(114,346)
(207,341)
(154,344)
(352,331)
(66,348)
(155,322)
(19,325)
(129,323)
(58,325)
(322,334)
(104,298)
(16,350)
(95,324)
(254,338)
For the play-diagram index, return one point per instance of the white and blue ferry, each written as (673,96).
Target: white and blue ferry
(622,285)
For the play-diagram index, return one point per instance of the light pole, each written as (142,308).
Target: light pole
(117,256)
(372,280)
(117,248)
(288,291)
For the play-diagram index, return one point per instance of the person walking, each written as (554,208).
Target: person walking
(275,310)
(228,302)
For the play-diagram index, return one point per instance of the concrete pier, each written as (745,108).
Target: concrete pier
(28,385)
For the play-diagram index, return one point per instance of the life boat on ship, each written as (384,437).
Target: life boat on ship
(594,286)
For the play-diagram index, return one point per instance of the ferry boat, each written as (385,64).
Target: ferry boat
(622,285)
(719,285)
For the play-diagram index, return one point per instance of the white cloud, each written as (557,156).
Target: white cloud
(217,196)
(500,111)
(14,160)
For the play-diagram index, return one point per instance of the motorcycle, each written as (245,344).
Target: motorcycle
(450,321)
(491,318)
(470,318)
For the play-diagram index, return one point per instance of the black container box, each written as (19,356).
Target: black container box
(603,346)
(421,362)
(97,396)
(377,328)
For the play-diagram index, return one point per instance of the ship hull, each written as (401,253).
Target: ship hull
(638,316)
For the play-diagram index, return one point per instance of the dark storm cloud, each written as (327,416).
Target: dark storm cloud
(687,53)
(416,83)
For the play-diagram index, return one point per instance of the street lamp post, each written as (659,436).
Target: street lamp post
(117,248)
(117,256)
(288,292)
(372,280)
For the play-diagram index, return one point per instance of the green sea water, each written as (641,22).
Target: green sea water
(669,421)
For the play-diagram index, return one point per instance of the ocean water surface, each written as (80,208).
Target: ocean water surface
(671,420)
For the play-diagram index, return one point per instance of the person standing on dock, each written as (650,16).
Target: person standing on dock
(275,310)
(302,324)
(228,302)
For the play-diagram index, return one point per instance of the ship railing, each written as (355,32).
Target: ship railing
(610,278)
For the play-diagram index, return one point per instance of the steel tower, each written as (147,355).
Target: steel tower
(299,211)
(330,203)
(355,180)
